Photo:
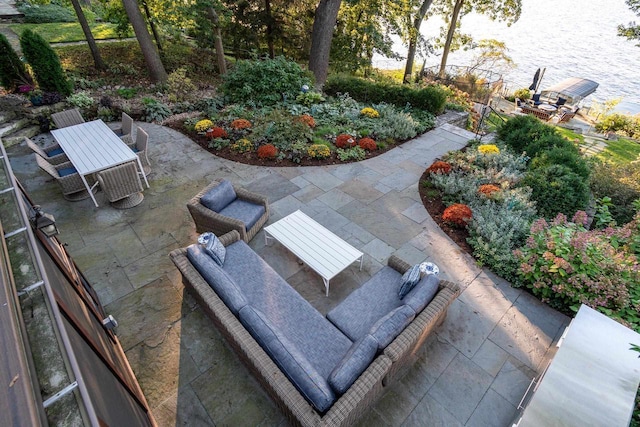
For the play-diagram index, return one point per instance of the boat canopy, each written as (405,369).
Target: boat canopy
(573,89)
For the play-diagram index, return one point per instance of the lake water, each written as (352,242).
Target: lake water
(570,38)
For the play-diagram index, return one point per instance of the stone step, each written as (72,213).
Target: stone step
(13,126)
(6,116)
(17,137)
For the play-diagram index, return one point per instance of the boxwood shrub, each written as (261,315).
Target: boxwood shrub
(431,98)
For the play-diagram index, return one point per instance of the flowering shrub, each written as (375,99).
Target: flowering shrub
(203,125)
(216,132)
(565,265)
(457,214)
(238,124)
(488,189)
(318,151)
(267,151)
(345,141)
(242,145)
(439,167)
(488,149)
(370,112)
(307,119)
(367,144)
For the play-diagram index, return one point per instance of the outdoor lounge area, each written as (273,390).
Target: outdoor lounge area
(473,369)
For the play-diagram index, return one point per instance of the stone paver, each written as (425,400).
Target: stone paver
(472,371)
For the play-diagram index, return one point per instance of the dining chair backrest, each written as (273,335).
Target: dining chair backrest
(35,148)
(67,118)
(142,140)
(47,167)
(127,124)
(120,181)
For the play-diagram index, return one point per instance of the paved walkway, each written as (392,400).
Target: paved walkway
(472,372)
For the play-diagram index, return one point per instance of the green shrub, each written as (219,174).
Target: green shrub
(620,182)
(42,13)
(523,94)
(354,153)
(568,156)
(155,111)
(264,82)
(279,129)
(557,189)
(431,98)
(520,131)
(179,86)
(392,124)
(12,70)
(127,92)
(566,265)
(44,63)
(81,100)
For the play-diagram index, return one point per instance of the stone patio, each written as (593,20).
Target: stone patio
(472,372)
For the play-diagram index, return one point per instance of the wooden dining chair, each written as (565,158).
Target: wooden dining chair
(67,118)
(122,186)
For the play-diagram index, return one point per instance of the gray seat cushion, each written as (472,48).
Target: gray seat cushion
(353,363)
(219,196)
(246,212)
(386,329)
(422,293)
(217,278)
(286,309)
(287,356)
(366,305)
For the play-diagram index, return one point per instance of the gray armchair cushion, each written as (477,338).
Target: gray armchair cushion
(219,197)
(353,364)
(217,278)
(409,280)
(293,363)
(390,326)
(245,211)
(422,293)
(363,307)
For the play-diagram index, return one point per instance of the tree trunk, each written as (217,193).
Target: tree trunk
(215,23)
(321,35)
(413,39)
(151,57)
(97,59)
(267,10)
(452,30)
(152,24)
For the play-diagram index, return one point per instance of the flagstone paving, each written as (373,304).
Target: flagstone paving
(472,371)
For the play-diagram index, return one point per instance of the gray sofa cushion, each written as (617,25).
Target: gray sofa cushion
(390,326)
(291,361)
(219,196)
(286,309)
(217,278)
(363,307)
(353,363)
(422,293)
(246,212)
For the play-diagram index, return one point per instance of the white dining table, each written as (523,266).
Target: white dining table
(93,147)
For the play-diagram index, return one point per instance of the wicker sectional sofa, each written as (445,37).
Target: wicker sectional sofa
(319,370)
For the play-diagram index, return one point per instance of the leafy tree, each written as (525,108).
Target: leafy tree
(416,16)
(632,31)
(97,59)
(321,36)
(45,63)
(12,70)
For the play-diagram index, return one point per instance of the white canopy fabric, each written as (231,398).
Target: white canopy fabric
(573,89)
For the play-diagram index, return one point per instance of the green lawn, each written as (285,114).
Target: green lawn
(67,31)
(621,151)
(569,134)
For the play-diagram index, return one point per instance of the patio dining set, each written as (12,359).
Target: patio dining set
(90,154)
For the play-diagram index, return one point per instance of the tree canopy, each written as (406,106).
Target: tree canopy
(632,30)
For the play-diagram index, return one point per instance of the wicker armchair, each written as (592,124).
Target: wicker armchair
(139,146)
(206,219)
(73,188)
(67,118)
(125,130)
(121,184)
(53,154)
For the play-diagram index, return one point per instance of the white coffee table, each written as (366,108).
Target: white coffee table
(324,252)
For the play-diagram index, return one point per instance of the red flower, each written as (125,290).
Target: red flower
(238,124)
(457,214)
(439,167)
(367,144)
(345,141)
(267,151)
(216,132)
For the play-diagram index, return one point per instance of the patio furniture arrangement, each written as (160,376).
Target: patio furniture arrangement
(320,371)
(53,154)
(121,184)
(93,147)
(67,118)
(222,207)
(72,184)
(541,114)
(126,128)
(324,252)
(139,146)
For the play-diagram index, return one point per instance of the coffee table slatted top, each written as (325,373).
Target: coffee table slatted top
(323,251)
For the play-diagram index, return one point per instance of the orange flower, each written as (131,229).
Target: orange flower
(457,214)
(367,144)
(238,124)
(267,151)
(307,119)
(216,132)
(488,189)
(439,167)
(345,141)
